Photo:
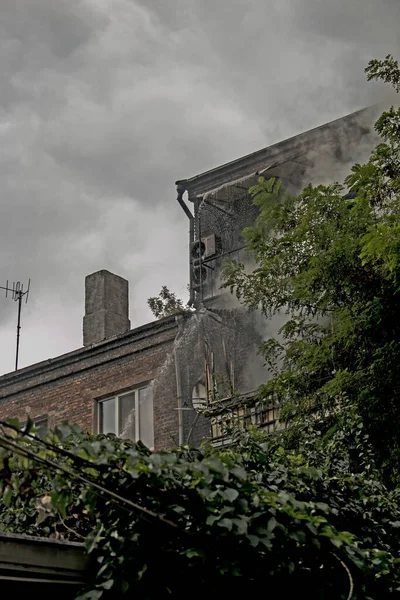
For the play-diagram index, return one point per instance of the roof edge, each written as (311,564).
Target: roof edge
(148,329)
(246,165)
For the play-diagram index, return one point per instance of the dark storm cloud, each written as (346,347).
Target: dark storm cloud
(105,103)
(360,20)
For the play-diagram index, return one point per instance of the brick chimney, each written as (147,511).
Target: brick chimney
(106,307)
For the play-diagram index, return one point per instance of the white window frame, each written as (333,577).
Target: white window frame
(116,398)
(41,421)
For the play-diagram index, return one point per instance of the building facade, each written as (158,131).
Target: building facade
(181,378)
(219,206)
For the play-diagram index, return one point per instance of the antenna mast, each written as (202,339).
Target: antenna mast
(17,293)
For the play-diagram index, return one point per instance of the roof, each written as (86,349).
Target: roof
(86,352)
(267,158)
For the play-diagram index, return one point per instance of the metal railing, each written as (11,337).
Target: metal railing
(230,414)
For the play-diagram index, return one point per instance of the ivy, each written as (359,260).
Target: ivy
(258,513)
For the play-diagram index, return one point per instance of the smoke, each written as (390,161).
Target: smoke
(331,163)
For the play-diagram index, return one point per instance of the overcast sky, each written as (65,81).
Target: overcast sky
(104,104)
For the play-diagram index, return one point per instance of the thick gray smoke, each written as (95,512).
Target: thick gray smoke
(105,103)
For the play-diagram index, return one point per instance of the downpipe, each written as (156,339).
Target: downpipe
(179,322)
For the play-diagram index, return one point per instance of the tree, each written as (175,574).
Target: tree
(333,264)
(166,304)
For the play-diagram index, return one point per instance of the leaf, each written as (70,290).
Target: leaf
(7,496)
(29,425)
(241,526)
(93,541)
(312,528)
(272,523)
(64,431)
(254,540)
(239,472)
(256,500)
(91,595)
(206,492)
(265,541)
(395,524)
(102,569)
(230,494)
(225,523)
(142,572)
(192,552)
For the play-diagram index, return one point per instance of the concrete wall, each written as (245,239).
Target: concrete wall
(41,568)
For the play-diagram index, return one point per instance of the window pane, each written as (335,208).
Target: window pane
(107,416)
(126,423)
(146,428)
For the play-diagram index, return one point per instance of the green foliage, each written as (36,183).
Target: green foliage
(333,265)
(219,522)
(166,304)
(387,70)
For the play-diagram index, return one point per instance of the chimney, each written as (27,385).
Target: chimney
(106,307)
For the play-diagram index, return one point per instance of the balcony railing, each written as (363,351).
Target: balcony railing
(241,412)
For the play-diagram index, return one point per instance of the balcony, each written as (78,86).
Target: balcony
(241,412)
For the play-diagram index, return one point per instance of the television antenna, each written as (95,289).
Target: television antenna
(17,293)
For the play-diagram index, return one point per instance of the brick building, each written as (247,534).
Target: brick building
(115,383)
(154,382)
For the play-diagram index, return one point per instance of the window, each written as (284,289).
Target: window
(199,396)
(129,415)
(41,421)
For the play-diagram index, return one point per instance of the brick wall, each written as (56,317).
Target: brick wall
(67,387)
